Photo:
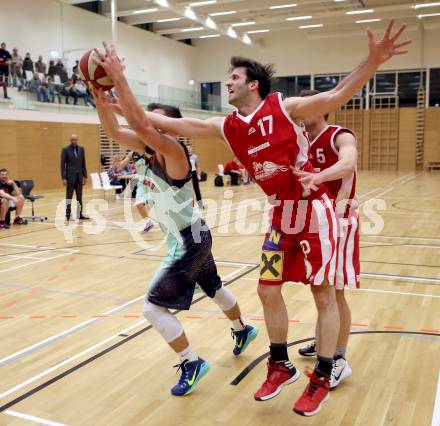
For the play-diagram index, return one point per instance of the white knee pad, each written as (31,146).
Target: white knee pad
(163,321)
(224,299)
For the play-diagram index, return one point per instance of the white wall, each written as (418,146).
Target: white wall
(40,26)
(296,52)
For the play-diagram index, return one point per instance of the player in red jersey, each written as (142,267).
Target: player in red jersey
(265,136)
(333,154)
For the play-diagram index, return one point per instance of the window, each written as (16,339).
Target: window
(210,96)
(408,86)
(291,86)
(386,82)
(434,87)
(326,82)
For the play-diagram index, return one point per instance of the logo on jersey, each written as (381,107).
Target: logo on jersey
(253,150)
(272,265)
(273,239)
(267,170)
(251,130)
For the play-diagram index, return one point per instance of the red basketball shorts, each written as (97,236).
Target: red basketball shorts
(305,252)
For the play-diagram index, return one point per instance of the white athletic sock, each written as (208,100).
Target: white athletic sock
(188,354)
(238,324)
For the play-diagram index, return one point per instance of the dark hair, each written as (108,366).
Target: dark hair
(3,171)
(255,71)
(170,111)
(305,93)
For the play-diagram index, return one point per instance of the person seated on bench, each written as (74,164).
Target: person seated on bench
(237,172)
(10,197)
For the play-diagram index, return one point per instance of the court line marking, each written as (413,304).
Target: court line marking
(70,359)
(30,349)
(260,358)
(38,420)
(44,343)
(365,289)
(39,261)
(87,361)
(436,412)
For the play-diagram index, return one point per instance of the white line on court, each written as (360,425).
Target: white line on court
(39,261)
(436,413)
(37,420)
(68,360)
(64,333)
(90,349)
(366,289)
(26,351)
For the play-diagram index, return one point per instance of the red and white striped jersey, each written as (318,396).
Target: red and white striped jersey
(267,143)
(324,154)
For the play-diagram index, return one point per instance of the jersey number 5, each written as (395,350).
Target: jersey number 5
(260,123)
(320,155)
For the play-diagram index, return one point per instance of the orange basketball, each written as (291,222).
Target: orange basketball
(91,72)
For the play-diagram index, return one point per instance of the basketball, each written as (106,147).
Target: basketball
(91,72)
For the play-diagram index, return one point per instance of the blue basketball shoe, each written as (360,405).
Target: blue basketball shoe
(243,338)
(192,372)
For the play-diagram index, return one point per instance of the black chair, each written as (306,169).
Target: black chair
(26,187)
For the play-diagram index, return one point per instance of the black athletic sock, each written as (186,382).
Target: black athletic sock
(324,366)
(278,352)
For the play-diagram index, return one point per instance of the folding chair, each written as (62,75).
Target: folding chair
(26,187)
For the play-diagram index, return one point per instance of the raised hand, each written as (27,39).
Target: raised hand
(110,61)
(388,46)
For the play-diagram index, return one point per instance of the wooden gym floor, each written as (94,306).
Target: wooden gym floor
(76,350)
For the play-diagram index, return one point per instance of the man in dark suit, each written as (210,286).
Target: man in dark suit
(74,174)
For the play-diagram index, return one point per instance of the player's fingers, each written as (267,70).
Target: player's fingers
(106,48)
(404,43)
(399,31)
(388,30)
(98,54)
(400,52)
(370,36)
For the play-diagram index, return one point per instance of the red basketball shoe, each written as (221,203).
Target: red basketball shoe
(279,374)
(315,394)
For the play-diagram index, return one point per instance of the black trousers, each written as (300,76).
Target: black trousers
(77,187)
(195,182)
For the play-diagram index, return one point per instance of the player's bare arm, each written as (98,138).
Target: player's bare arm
(380,51)
(188,127)
(345,166)
(113,129)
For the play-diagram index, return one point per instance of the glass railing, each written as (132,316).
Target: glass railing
(55,98)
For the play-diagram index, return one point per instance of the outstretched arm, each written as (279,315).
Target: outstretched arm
(143,124)
(346,164)
(380,51)
(113,129)
(188,127)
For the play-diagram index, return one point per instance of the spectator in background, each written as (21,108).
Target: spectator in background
(69,91)
(28,64)
(195,175)
(53,90)
(52,71)
(76,76)
(10,197)
(232,168)
(16,65)
(63,75)
(40,66)
(118,172)
(36,86)
(75,69)
(59,66)
(82,92)
(5,58)
(4,84)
